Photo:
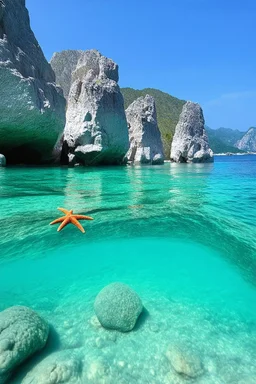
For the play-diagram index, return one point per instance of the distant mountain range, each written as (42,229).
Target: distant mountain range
(221,140)
(224,140)
(248,141)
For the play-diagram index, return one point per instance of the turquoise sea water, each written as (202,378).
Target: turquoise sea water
(182,236)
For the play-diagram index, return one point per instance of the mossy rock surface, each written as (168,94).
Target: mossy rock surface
(118,307)
(22,333)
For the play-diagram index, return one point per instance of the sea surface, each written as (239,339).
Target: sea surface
(183,236)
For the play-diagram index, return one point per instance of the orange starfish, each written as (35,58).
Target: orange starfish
(70,218)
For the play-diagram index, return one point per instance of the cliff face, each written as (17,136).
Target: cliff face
(64,64)
(190,142)
(168,109)
(96,128)
(145,139)
(32,107)
(248,141)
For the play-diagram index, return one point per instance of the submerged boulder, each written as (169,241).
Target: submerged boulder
(59,367)
(22,333)
(2,161)
(32,107)
(190,142)
(118,307)
(96,128)
(146,146)
(184,362)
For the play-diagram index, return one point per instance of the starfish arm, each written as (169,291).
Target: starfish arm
(66,211)
(64,223)
(82,217)
(59,220)
(77,224)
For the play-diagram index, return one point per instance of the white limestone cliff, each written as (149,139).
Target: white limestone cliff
(190,142)
(32,107)
(96,128)
(146,146)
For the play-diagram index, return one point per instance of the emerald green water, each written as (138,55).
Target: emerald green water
(182,236)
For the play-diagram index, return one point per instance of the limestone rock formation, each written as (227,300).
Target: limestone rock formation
(64,64)
(32,107)
(190,142)
(146,146)
(60,367)
(96,128)
(184,362)
(248,141)
(22,333)
(118,307)
(2,161)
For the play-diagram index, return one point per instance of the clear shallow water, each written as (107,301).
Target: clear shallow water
(183,236)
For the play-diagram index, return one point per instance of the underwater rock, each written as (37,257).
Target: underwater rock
(32,107)
(96,128)
(118,307)
(64,64)
(22,333)
(2,161)
(95,322)
(190,142)
(184,362)
(99,372)
(145,139)
(59,367)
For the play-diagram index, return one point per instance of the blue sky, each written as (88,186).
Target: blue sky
(199,50)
